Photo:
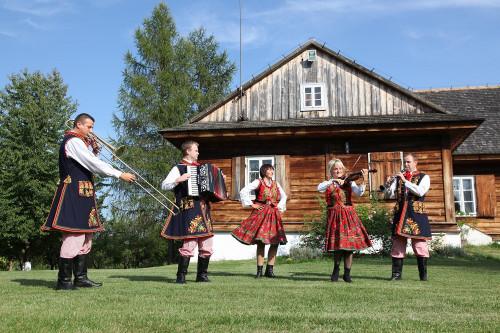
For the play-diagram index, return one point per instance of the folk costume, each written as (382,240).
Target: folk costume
(344,230)
(74,209)
(264,224)
(192,224)
(410,221)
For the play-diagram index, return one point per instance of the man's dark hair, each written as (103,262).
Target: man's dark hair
(81,118)
(264,168)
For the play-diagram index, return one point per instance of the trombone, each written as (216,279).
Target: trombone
(101,143)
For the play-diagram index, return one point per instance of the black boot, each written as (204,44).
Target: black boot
(182,269)
(202,274)
(422,268)
(259,272)
(269,271)
(347,275)
(80,272)
(335,273)
(64,275)
(397,269)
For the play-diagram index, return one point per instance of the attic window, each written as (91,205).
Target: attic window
(312,97)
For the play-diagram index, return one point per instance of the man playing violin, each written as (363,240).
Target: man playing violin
(345,232)
(74,210)
(410,220)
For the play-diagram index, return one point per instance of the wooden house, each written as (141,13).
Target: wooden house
(311,106)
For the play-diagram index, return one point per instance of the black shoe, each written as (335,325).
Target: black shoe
(397,269)
(347,275)
(182,269)
(202,273)
(64,275)
(259,272)
(335,273)
(269,272)
(422,268)
(80,272)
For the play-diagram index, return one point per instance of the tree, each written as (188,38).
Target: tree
(167,80)
(33,111)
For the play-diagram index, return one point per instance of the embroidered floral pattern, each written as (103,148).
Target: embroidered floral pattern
(85,189)
(67,180)
(196,225)
(186,203)
(93,218)
(411,227)
(418,207)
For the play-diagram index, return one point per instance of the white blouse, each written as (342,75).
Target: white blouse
(419,190)
(247,202)
(356,189)
(76,149)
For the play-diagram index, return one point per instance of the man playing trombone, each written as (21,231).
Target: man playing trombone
(410,220)
(74,210)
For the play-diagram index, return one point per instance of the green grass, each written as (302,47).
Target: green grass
(462,295)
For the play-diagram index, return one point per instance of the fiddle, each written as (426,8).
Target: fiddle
(351,177)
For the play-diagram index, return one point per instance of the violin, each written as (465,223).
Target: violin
(353,176)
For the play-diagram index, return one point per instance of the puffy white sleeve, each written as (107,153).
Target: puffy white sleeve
(77,150)
(245,193)
(358,190)
(283,197)
(169,183)
(420,189)
(324,185)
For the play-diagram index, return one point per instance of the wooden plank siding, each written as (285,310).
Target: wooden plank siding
(349,92)
(306,171)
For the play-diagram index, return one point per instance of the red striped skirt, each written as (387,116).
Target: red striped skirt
(262,226)
(344,230)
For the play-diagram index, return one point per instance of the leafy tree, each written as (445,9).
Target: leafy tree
(33,111)
(167,80)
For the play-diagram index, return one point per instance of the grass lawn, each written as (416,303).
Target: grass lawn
(463,294)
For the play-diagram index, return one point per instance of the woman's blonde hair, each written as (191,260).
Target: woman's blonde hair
(332,163)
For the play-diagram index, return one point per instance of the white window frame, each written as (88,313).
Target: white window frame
(461,201)
(260,159)
(324,101)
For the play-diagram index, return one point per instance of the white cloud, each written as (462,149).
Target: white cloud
(8,34)
(33,24)
(42,8)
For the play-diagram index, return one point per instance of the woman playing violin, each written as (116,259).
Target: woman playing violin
(345,232)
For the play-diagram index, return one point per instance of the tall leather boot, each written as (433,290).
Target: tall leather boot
(269,271)
(80,272)
(335,273)
(397,269)
(422,268)
(202,272)
(347,275)
(64,275)
(182,269)
(259,272)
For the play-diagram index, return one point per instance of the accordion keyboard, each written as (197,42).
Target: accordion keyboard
(193,181)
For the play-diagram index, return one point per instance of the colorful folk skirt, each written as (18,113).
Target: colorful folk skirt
(262,226)
(344,230)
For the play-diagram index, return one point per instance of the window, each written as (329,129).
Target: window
(465,196)
(252,167)
(312,97)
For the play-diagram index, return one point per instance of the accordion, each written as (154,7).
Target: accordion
(206,180)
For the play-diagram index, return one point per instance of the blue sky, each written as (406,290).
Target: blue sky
(419,43)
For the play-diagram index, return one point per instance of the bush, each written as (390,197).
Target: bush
(438,248)
(305,253)
(375,217)
(377,220)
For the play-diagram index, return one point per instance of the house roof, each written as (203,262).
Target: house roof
(339,57)
(362,121)
(480,102)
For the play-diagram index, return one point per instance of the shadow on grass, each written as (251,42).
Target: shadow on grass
(35,283)
(293,276)
(143,278)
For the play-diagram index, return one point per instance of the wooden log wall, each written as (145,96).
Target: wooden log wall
(307,171)
(349,92)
